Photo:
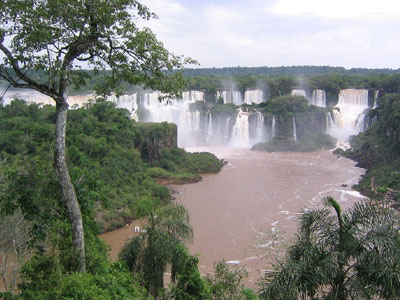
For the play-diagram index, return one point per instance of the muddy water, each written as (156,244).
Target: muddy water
(254,192)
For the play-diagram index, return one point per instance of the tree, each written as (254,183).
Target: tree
(14,248)
(349,255)
(159,245)
(228,284)
(43,43)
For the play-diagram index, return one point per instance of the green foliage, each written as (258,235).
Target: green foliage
(377,150)
(349,255)
(228,284)
(160,245)
(109,174)
(44,279)
(310,125)
(190,285)
(178,160)
(287,106)
(226,110)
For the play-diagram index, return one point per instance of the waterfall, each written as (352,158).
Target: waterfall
(318,98)
(253,96)
(240,132)
(231,96)
(193,96)
(227,129)
(209,127)
(257,130)
(33,96)
(175,111)
(128,102)
(294,130)
(359,125)
(376,95)
(299,92)
(195,121)
(273,127)
(350,107)
(329,122)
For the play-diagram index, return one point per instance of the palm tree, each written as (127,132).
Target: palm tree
(159,245)
(349,255)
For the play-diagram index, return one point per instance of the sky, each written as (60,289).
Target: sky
(251,33)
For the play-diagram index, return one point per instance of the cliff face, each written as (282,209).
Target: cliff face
(154,137)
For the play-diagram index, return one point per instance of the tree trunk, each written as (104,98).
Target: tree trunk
(68,191)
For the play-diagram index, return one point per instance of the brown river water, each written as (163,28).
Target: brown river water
(256,192)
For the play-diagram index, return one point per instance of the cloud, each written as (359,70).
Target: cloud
(340,9)
(349,33)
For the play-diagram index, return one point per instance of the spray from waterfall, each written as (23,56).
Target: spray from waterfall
(318,98)
(348,112)
(273,127)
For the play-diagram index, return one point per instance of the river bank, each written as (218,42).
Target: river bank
(254,193)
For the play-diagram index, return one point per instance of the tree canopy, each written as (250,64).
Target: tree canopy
(55,37)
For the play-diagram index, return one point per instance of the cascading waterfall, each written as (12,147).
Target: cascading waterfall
(128,102)
(350,107)
(193,95)
(177,111)
(294,130)
(359,125)
(299,92)
(273,127)
(32,96)
(329,121)
(227,131)
(257,130)
(376,95)
(318,98)
(253,96)
(209,126)
(240,132)
(231,96)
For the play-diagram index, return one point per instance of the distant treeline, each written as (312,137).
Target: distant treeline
(274,81)
(289,70)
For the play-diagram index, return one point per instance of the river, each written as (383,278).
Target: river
(257,192)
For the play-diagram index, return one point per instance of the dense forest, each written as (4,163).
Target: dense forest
(115,165)
(58,191)
(115,183)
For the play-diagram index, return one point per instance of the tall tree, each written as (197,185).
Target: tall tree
(44,42)
(348,255)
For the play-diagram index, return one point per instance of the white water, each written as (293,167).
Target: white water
(198,127)
(127,101)
(253,96)
(351,104)
(274,127)
(231,96)
(294,130)
(240,134)
(260,130)
(318,98)
(176,111)
(376,95)
(32,96)
(299,92)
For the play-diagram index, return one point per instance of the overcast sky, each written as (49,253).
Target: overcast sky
(347,33)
